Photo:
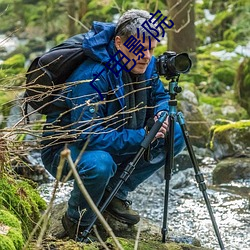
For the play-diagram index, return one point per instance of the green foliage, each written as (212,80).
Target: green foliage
(230,21)
(22,200)
(160,49)
(12,67)
(224,75)
(17,61)
(214,101)
(219,102)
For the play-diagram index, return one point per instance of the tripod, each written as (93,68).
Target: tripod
(173,90)
(169,163)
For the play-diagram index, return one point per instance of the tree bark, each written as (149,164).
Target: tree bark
(181,38)
(71,6)
(83,8)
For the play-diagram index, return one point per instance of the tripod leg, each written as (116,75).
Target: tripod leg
(199,177)
(129,168)
(168,173)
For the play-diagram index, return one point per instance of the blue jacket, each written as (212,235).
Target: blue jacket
(105,132)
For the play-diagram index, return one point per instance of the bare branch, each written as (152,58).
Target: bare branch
(66,154)
(79,22)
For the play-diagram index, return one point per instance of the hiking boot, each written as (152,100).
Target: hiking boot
(121,211)
(75,231)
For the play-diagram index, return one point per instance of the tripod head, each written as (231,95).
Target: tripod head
(174,89)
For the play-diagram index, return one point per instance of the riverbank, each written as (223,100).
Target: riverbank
(188,215)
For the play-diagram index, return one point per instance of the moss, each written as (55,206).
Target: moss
(214,101)
(224,75)
(128,244)
(17,61)
(22,200)
(16,237)
(219,104)
(6,243)
(228,45)
(236,125)
(10,220)
(13,71)
(221,133)
(13,239)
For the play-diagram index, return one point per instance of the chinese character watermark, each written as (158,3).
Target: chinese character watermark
(134,45)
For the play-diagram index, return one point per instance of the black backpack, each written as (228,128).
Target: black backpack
(48,73)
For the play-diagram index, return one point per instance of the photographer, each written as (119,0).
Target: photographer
(109,115)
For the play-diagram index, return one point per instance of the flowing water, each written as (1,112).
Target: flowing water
(187,212)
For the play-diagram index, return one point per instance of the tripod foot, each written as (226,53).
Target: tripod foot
(164,232)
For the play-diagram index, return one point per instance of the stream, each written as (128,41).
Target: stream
(187,212)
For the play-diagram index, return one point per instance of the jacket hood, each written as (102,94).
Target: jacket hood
(98,43)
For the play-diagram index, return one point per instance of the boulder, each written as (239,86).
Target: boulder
(197,125)
(232,139)
(150,235)
(231,169)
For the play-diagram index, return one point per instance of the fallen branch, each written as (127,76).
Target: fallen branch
(66,154)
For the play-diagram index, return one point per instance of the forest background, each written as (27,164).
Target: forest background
(214,33)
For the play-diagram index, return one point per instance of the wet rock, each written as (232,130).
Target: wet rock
(231,169)
(181,179)
(229,140)
(190,96)
(197,125)
(150,234)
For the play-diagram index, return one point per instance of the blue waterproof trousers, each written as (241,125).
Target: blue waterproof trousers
(99,171)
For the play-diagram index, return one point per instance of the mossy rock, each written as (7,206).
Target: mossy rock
(127,244)
(10,231)
(231,169)
(232,139)
(224,75)
(22,200)
(221,107)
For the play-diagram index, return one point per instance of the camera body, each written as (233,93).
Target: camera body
(171,65)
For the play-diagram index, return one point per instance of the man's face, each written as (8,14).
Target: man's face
(142,63)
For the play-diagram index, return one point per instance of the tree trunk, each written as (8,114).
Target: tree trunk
(83,8)
(181,38)
(72,12)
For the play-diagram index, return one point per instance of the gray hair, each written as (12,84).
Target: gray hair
(131,20)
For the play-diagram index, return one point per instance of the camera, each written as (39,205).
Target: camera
(171,65)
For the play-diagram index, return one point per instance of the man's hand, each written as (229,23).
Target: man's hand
(164,128)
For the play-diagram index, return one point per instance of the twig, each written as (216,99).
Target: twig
(77,21)
(66,154)
(137,236)
(99,238)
